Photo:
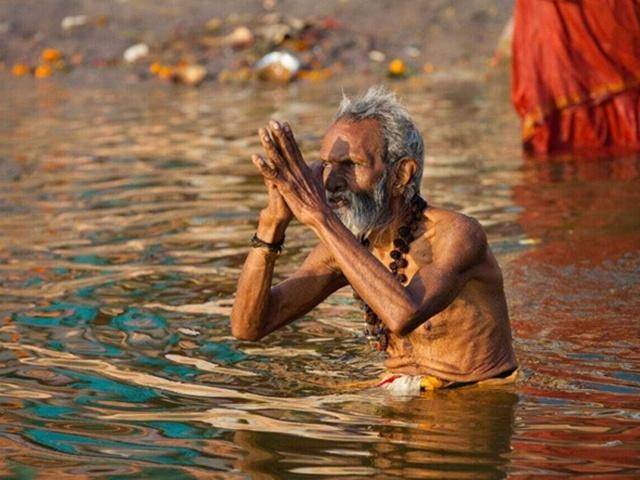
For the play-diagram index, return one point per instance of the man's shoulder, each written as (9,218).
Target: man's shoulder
(456,235)
(456,224)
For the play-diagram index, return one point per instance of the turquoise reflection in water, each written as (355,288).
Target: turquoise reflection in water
(74,444)
(72,315)
(90,259)
(94,348)
(223,352)
(106,389)
(135,319)
(178,430)
(33,281)
(51,411)
(184,372)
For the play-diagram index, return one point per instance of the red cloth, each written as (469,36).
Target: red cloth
(576,74)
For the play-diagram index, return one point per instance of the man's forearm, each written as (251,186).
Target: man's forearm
(254,284)
(366,274)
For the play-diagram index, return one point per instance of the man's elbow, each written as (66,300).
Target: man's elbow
(242,330)
(402,324)
(245,334)
(401,328)
(247,337)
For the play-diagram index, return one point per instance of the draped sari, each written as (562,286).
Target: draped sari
(576,74)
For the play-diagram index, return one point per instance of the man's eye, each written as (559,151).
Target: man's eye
(348,163)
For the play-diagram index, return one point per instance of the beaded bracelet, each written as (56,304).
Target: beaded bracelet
(272,247)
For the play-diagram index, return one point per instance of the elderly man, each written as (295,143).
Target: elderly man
(426,279)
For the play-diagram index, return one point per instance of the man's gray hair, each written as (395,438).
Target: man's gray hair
(401,137)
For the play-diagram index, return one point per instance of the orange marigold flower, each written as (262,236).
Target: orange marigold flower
(43,71)
(51,55)
(20,69)
(165,72)
(397,68)
(155,68)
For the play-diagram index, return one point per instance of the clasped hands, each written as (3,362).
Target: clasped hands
(288,177)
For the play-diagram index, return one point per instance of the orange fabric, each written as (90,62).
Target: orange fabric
(576,74)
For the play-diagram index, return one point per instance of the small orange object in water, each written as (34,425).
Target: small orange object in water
(43,71)
(315,75)
(397,68)
(51,55)
(155,68)
(165,72)
(20,69)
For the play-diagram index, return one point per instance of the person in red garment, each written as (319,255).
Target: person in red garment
(576,75)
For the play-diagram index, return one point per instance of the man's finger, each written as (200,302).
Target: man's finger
(270,148)
(278,135)
(288,131)
(264,168)
(287,146)
(269,163)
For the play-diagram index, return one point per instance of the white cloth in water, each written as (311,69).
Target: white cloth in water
(404,385)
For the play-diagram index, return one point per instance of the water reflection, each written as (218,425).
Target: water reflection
(460,434)
(126,216)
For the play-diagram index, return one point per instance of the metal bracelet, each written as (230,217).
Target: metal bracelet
(272,247)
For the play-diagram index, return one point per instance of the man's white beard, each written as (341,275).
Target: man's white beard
(366,212)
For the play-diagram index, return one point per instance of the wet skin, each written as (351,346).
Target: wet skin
(451,319)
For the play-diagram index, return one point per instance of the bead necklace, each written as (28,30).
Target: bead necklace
(375,331)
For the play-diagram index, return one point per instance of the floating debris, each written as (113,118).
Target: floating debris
(101,21)
(317,75)
(269,45)
(613,443)
(192,75)
(43,71)
(278,67)
(188,331)
(135,52)
(412,52)
(74,21)
(155,67)
(269,4)
(184,73)
(166,72)
(162,71)
(275,33)
(20,70)
(240,38)
(51,59)
(51,55)
(529,241)
(241,75)
(213,24)
(376,56)
(397,68)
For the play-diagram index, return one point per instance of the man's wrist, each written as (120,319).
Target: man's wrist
(322,219)
(271,229)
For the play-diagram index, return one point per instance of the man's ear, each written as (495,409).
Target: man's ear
(404,170)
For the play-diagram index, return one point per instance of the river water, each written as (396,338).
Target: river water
(126,214)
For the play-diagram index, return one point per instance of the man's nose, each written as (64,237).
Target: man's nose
(334,182)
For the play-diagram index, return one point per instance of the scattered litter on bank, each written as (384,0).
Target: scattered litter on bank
(135,52)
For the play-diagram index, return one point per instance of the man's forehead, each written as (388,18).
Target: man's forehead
(352,138)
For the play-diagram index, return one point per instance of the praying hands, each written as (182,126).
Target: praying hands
(287,174)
